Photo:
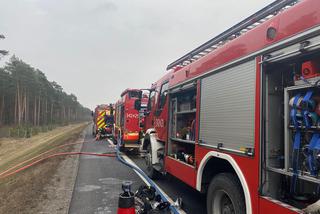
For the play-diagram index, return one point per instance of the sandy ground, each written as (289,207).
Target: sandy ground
(57,193)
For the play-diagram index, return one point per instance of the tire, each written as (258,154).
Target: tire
(150,171)
(225,195)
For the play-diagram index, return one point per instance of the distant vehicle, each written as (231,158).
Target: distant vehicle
(238,118)
(127,125)
(103,118)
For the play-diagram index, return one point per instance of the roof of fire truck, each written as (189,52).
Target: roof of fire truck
(129,89)
(262,17)
(103,106)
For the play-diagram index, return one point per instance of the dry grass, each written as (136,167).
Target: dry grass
(23,192)
(13,151)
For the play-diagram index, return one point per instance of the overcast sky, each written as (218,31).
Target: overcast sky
(97,48)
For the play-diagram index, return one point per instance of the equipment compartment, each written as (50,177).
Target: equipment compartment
(291,112)
(182,125)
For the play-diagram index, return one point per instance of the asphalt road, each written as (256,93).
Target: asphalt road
(99,180)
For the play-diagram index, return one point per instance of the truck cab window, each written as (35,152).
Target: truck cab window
(134,94)
(151,100)
(163,94)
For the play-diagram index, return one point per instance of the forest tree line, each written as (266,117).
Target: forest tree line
(28,98)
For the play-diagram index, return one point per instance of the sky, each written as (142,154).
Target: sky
(97,48)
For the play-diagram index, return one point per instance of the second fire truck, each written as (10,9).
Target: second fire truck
(127,130)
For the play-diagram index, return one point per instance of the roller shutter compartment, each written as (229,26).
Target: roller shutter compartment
(227,108)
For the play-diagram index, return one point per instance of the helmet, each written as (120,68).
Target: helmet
(298,103)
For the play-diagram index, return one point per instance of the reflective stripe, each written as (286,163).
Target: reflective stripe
(101,115)
(101,121)
(102,125)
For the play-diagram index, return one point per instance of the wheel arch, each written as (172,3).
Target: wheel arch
(151,139)
(230,165)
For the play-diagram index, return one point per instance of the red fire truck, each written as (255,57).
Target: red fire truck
(127,127)
(103,121)
(238,117)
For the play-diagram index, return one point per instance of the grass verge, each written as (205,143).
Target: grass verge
(22,192)
(25,151)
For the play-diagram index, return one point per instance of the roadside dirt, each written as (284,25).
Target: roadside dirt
(44,188)
(57,194)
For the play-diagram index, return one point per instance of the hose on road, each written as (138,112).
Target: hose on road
(151,182)
(9,171)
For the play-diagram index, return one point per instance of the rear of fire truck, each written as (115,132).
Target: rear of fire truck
(127,131)
(103,121)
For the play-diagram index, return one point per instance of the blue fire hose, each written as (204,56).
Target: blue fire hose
(306,107)
(164,199)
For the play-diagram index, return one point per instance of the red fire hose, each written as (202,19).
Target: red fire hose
(9,172)
(51,156)
(50,150)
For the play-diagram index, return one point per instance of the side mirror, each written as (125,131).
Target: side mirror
(141,125)
(137,105)
(146,113)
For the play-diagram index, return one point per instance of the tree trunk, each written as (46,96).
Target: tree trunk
(46,112)
(51,112)
(2,109)
(15,107)
(39,107)
(19,103)
(24,108)
(27,108)
(35,112)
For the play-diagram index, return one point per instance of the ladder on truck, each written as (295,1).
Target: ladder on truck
(237,30)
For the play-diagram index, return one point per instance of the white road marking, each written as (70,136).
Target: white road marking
(126,158)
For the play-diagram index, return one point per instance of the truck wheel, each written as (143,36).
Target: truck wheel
(225,195)
(150,171)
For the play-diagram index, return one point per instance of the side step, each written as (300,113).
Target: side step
(159,168)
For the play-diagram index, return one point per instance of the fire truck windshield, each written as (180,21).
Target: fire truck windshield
(134,94)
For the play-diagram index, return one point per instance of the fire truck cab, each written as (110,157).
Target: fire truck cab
(127,126)
(238,117)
